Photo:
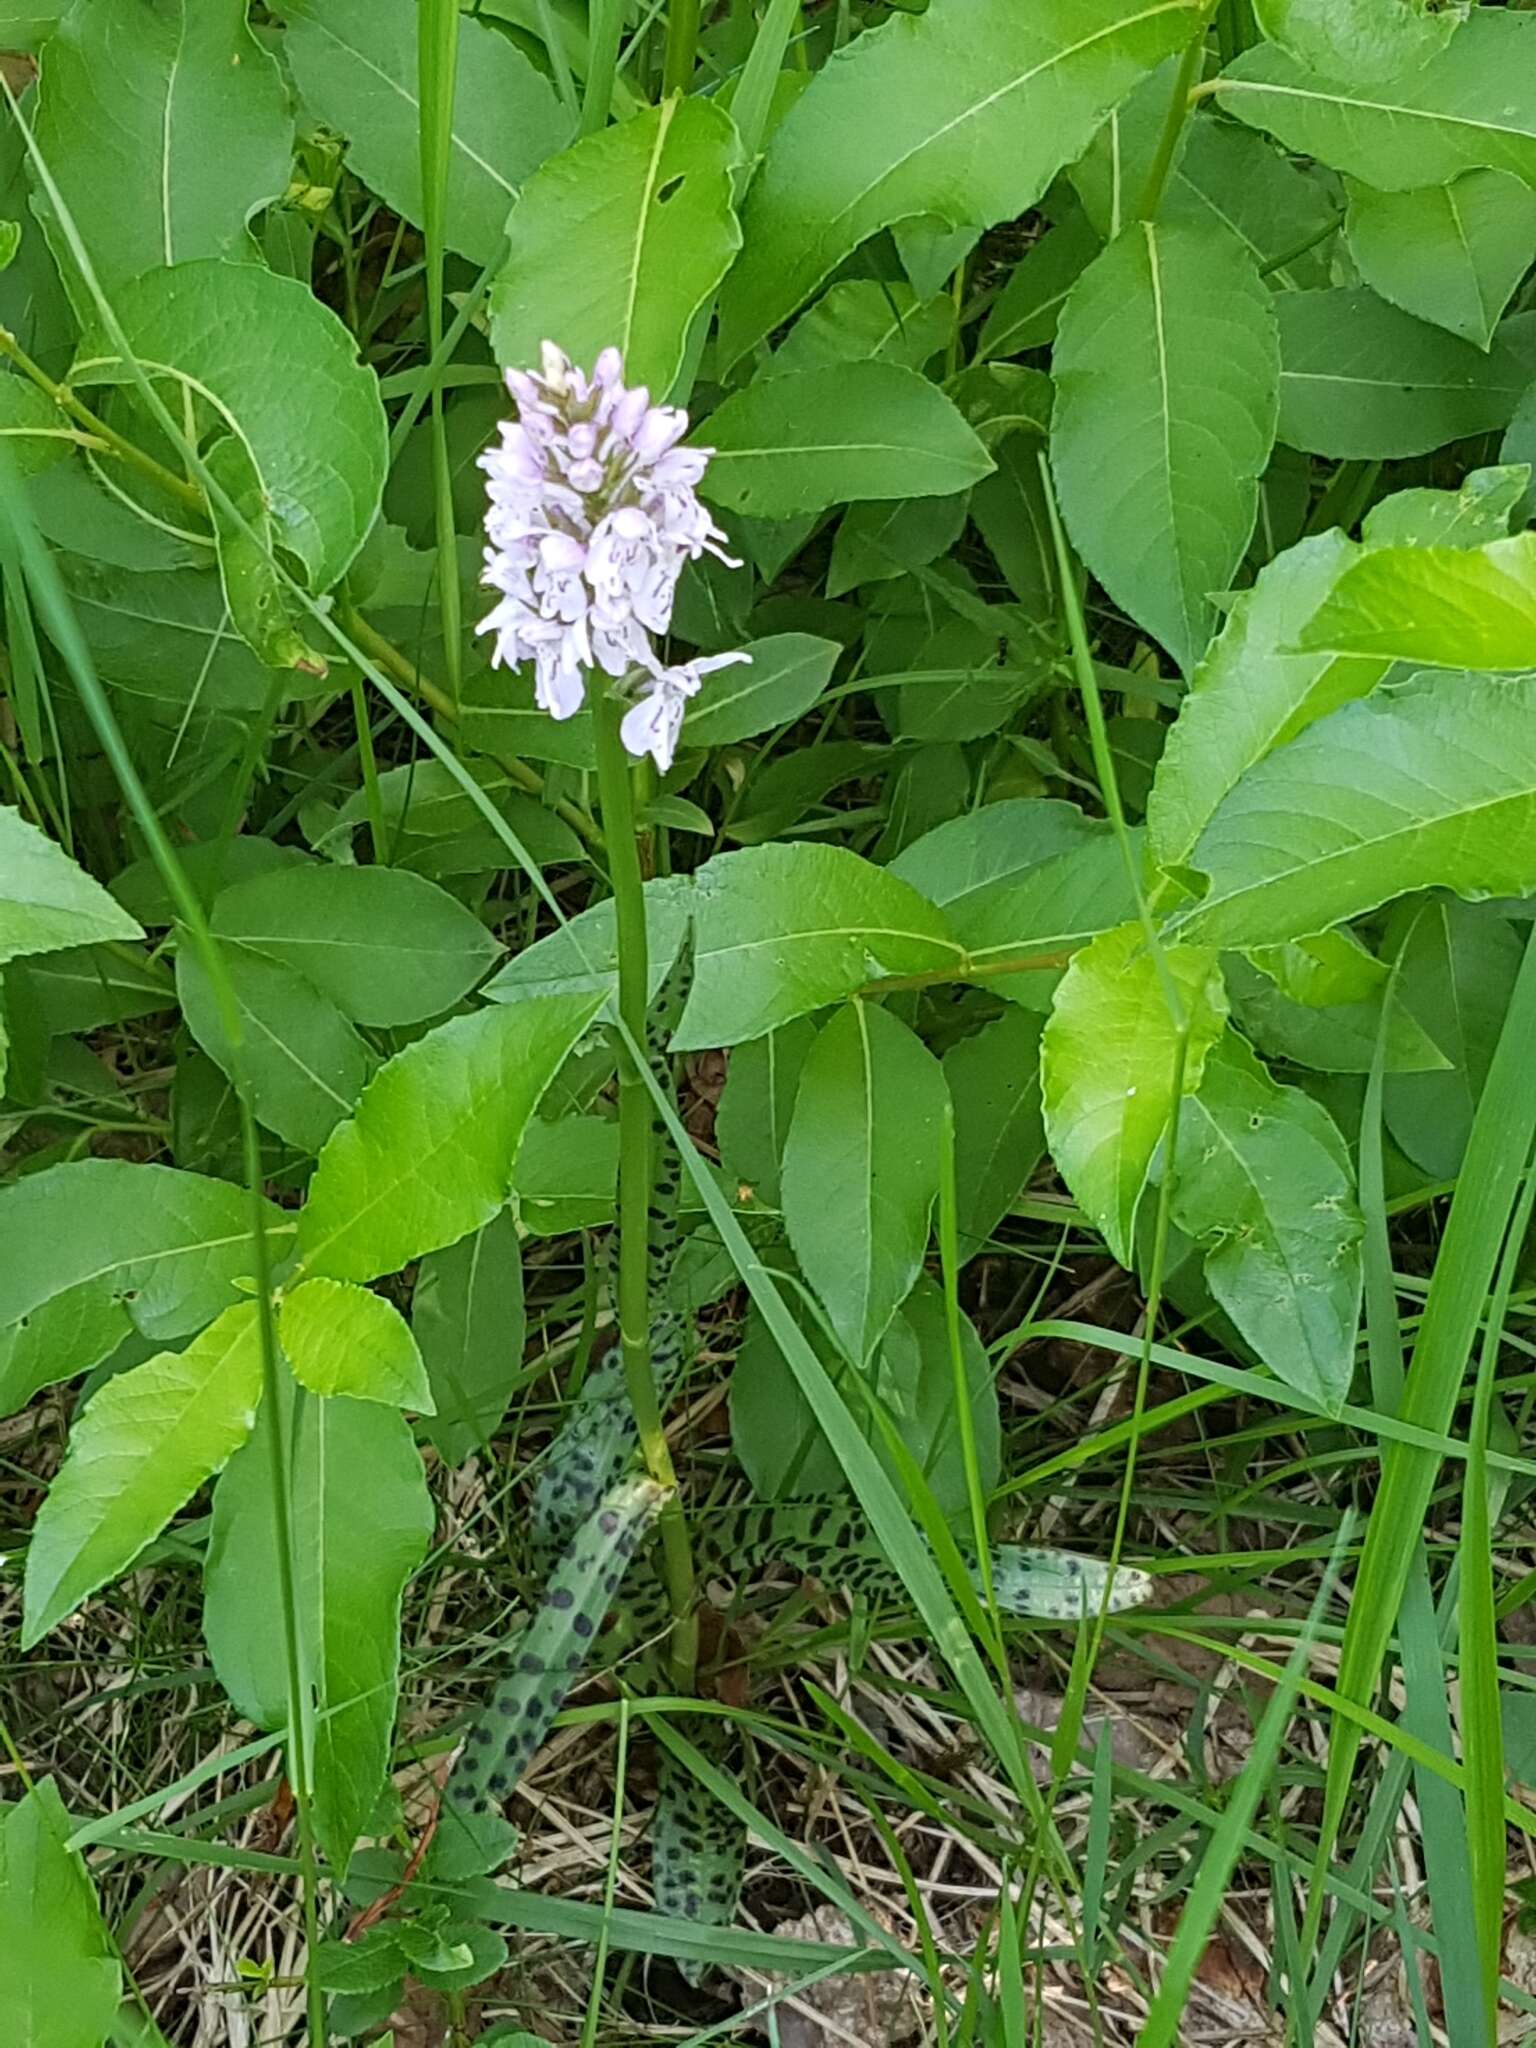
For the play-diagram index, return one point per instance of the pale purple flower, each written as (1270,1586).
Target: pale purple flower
(593,512)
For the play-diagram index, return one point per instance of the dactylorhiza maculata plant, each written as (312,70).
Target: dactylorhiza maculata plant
(593,513)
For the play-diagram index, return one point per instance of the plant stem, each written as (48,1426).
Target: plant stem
(682,46)
(82,415)
(635,1164)
(1173,127)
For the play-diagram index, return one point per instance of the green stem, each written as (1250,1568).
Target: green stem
(82,415)
(682,46)
(635,1176)
(1173,127)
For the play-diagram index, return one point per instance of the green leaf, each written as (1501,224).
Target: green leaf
(877,542)
(752,1121)
(342,1339)
(387,947)
(1335,1038)
(302,1061)
(1427,784)
(1479,511)
(468,1319)
(139,1451)
(582,957)
(1238,180)
(566,1175)
(780,931)
(1027,875)
(1253,692)
(619,240)
(1453,607)
(994,1084)
(1263,1179)
(863,319)
(100,1248)
(1026,311)
(1107,1063)
(61,1984)
(963,113)
(354,63)
(46,901)
(1456,113)
(861,1169)
(1361,39)
(789,671)
(360,1496)
(165,128)
(1362,381)
(1456,973)
(824,437)
(1452,254)
(303,456)
(83,987)
(428,1156)
(1166,366)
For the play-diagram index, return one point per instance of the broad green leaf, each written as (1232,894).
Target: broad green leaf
(1362,381)
(1361,39)
(23,27)
(1001,400)
(566,1175)
(780,931)
(1027,875)
(1322,971)
(100,1248)
(1451,254)
(1026,311)
(752,1120)
(165,128)
(1460,111)
(1239,180)
(428,1156)
(1519,446)
(61,1984)
(1166,366)
(46,901)
(1456,974)
(582,957)
(141,1448)
(302,456)
(354,63)
(619,240)
(33,431)
(1107,1067)
(876,542)
(994,1084)
(824,437)
(388,948)
(864,319)
(302,1061)
(1480,510)
(1263,1180)
(1009,512)
(468,1319)
(1335,1038)
(1454,607)
(84,987)
(1426,784)
(342,1339)
(360,1497)
(861,1169)
(1253,692)
(789,671)
(963,113)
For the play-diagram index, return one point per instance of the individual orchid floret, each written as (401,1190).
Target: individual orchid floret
(593,511)
(652,725)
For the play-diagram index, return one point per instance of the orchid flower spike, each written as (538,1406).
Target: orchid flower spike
(592,512)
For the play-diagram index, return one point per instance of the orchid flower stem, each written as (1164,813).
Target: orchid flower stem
(635,1176)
